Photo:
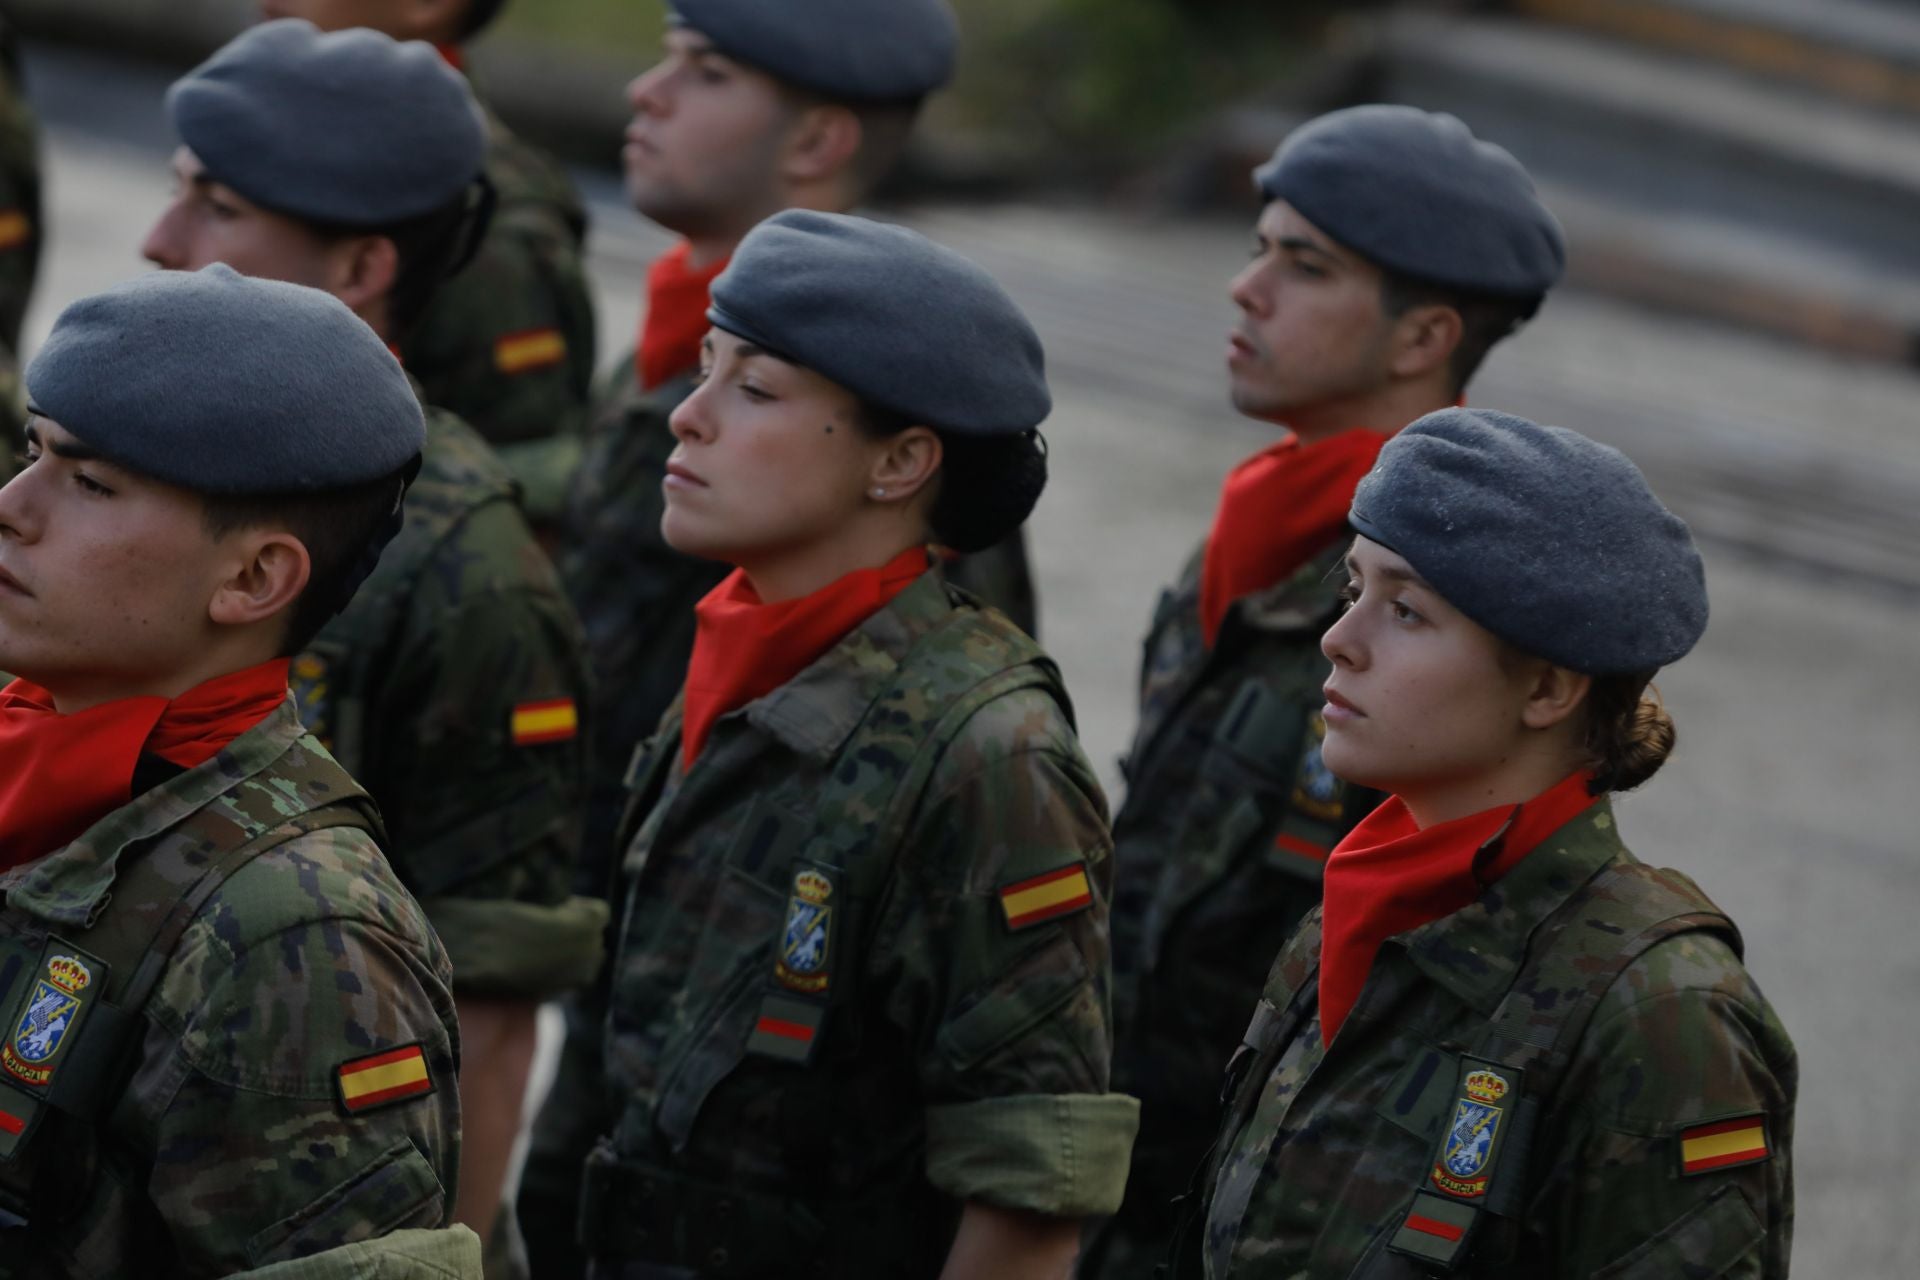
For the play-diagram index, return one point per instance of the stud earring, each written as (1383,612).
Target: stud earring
(879,493)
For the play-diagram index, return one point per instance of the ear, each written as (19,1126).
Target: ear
(1556,694)
(821,144)
(363,273)
(906,464)
(1424,339)
(271,570)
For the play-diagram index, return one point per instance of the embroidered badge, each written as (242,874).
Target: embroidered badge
(807,939)
(381,1079)
(307,677)
(1725,1144)
(1467,1153)
(528,350)
(54,1006)
(1316,792)
(1046,897)
(786,1028)
(551,720)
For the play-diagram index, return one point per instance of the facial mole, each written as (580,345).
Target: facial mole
(829,428)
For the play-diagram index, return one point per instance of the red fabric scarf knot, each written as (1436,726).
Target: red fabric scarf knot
(676,318)
(1278,510)
(743,649)
(60,774)
(1389,876)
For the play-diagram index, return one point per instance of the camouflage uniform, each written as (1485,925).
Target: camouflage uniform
(226,1137)
(1218,848)
(19,236)
(1612,1000)
(447,687)
(508,343)
(799,1090)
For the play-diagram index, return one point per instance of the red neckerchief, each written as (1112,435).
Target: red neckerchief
(1389,876)
(676,316)
(1278,510)
(743,649)
(453,56)
(61,774)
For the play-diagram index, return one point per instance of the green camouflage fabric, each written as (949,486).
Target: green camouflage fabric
(508,343)
(1000,576)
(449,1254)
(414,687)
(228,1146)
(1214,850)
(1324,1147)
(923,764)
(20,237)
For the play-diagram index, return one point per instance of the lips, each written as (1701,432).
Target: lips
(1238,348)
(10,583)
(1338,708)
(679,476)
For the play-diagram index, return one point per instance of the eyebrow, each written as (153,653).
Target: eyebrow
(71,450)
(1300,244)
(1392,572)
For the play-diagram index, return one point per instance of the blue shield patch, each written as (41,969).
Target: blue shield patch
(1316,791)
(1470,1140)
(806,941)
(44,1024)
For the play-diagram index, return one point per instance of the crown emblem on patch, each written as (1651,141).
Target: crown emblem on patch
(812,887)
(68,974)
(1485,1086)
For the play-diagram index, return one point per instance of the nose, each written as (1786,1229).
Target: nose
(162,247)
(16,510)
(1247,289)
(646,92)
(1342,643)
(692,420)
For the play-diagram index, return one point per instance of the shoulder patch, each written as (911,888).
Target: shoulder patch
(56,1003)
(1724,1144)
(381,1079)
(528,350)
(1046,897)
(551,720)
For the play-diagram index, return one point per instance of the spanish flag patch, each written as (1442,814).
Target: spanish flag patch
(1724,1144)
(554,720)
(15,229)
(528,350)
(1046,897)
(383,1079)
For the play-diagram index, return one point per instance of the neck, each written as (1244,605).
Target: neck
(83,692)
(1386,409)
(800,571)
(1513,782)
(708,245)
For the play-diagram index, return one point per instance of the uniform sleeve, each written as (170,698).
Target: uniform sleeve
(482,763)
(1682,1163)
(1011,1019)
(269,1144)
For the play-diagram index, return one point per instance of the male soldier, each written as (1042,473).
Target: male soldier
(1393,252)
(755,108)
(19,232)
(228,1041)
(348,161)
(508,343)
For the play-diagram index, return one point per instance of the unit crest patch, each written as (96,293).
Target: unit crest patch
(313,695)
(1467,1153)
(55,1005)
(1316,792)
(807,940)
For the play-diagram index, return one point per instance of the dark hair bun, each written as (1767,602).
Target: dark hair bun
(988,487)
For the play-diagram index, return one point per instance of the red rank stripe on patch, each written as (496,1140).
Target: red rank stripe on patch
(784,1029)
(12,1124)
(1434,1227)
(1303,848)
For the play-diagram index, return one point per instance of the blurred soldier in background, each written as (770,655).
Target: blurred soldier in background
(508,344)
(451,686)
(1393,252)
(19,235)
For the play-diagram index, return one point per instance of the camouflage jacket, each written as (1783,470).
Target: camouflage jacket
(508,343)
(1324,1148)
(853,992)
(1228,815)
(234,1136)
(20,236)
(450,687)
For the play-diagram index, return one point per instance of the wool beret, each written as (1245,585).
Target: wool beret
(852,50)
(903,323)
(225,384)
(351,127)
(1549,540)
(1415,192)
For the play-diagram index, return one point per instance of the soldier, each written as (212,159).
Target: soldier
(858,1020)
(449,688)
(1505,1046)
(508,344)
(1393,251)
(19,232)
(755,108)
(229,1041)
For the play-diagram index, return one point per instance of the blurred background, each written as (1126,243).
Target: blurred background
(1740,183)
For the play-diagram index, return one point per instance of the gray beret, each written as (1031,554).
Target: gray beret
(901,322)
(1417,193)
(351,127)
(855,50)
(1549,540)
(225,384)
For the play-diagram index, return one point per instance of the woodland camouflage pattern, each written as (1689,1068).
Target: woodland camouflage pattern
(960,1059)
(414,686)
(228,1148)
(1325,1147)
(1225,759)
(526,278)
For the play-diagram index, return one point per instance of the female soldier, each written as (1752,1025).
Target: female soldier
(1504,1046)
(858,1018)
